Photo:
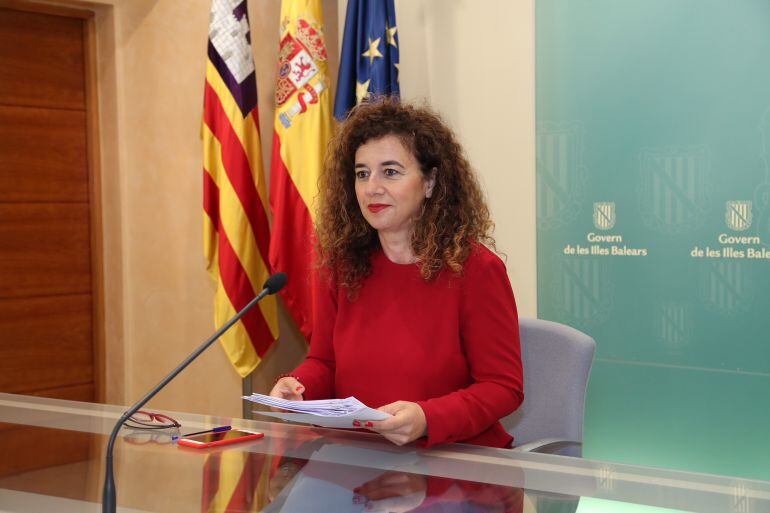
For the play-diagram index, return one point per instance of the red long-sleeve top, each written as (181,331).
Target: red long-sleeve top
(451,345)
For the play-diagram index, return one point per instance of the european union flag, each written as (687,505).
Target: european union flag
(369,58)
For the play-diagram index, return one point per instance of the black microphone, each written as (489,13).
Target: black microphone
(273,284)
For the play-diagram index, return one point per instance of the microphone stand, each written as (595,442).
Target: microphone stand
(108,495)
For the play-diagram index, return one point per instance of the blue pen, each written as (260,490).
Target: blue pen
(215,430)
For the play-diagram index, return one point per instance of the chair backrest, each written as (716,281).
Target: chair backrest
(557,361)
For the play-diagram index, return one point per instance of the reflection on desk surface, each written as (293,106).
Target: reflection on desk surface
(296,485)
(300,469)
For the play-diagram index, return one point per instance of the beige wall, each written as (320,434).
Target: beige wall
(474,62)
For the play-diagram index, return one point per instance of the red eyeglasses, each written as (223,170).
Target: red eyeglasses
(148,420)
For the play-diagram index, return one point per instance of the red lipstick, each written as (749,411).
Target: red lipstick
(376,207)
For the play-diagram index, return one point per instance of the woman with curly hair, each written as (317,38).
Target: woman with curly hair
(414,315)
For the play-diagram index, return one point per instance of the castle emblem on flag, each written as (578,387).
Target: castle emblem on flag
(604,215)
(738,215)
(229,34)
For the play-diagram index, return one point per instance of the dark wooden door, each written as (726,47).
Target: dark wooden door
(46,287)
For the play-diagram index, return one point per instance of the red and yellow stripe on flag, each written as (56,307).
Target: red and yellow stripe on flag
(236,230)
(236,481)
(303,128)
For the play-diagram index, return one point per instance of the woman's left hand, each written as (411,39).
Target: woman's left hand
(407,424)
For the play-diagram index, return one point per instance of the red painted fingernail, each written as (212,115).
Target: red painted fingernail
(356,423)
(369,424)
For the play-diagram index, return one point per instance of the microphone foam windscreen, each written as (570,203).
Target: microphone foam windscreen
(275,283)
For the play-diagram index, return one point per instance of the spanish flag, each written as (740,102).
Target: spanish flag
(303,128)
(236,231)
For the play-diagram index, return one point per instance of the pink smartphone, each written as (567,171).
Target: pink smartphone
(222,438)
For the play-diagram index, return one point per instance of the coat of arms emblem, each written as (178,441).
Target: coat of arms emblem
(604,215)
(738,215)
(584,290)
(727,286)
(675,187)
(300,59)
(561,173)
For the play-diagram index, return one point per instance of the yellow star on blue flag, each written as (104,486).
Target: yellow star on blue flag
(369,57)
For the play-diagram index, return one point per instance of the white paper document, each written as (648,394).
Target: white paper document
(337,413)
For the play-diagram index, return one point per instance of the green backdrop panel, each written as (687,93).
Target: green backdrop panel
(653,212)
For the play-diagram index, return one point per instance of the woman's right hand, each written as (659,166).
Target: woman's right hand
(288,388)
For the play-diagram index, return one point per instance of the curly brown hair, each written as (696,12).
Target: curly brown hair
(450,221)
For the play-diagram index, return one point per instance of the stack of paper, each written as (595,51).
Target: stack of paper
(327,413)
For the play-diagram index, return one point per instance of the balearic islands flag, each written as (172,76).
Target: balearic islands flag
(369,59)
(303,128)
(236,230)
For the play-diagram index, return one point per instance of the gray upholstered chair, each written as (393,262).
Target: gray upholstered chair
(557,361)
